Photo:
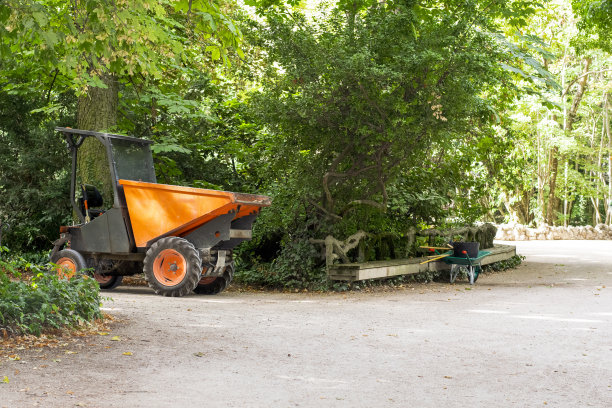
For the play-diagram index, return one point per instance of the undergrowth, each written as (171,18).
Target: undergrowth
(504,265)
(41,300)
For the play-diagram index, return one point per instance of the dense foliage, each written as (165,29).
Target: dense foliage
(375,117)
(34,169)
(386,117)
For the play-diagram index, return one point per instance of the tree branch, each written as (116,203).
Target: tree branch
(371,203)
(51,86)
(323,210)
(581,76)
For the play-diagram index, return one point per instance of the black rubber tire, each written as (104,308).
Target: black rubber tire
(110,284)
(218,285)
(113,282)
(76,258)
(192,270)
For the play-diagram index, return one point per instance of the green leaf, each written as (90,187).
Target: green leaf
(215,53)
(50,37)
(240,53)
(514,69)
(40,18)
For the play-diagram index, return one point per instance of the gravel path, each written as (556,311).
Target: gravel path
(539,335)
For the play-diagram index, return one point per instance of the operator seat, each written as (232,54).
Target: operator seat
(94,199)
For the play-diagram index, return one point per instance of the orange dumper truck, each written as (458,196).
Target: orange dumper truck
(182,238)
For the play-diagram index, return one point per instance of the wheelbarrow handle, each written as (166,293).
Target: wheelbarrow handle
(464,252)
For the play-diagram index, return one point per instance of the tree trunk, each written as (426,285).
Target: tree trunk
(97,111)
(606,124)
(568,124)
(553,166)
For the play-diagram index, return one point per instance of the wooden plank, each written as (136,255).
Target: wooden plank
(384,269)
(500,254)
(388,271)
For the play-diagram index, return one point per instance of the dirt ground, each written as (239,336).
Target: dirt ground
(539,335)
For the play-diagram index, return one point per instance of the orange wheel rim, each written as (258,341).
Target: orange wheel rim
(66,268)
(169,267)
(102,279)
(207,280)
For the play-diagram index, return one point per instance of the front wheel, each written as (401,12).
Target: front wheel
(69,262)
(172,267)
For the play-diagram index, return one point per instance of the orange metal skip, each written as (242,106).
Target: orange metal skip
(161,209)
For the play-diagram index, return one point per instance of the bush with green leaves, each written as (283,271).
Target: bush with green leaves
(295,266)
(46,301)
(504,265)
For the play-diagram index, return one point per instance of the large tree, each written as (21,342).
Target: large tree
(372,90)
(92,48)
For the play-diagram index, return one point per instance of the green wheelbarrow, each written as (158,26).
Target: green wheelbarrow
(466,264)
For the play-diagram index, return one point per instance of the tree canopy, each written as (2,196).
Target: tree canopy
(386,117)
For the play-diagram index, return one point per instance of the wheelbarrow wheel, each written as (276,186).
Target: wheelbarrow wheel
(172,267)
(215,285)
(69,262)
(477,271)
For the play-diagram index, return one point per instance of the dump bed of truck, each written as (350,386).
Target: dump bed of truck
(160,210)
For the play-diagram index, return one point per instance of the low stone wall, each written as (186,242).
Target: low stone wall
(515,232)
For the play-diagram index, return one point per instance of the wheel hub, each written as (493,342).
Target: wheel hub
(170,267)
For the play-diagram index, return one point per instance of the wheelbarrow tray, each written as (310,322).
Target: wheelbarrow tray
(158,210)
(461,260)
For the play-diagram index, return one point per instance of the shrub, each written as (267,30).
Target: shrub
(504,265)
(46,301)
(295,267)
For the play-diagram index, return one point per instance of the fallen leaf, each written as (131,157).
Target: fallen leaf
(5,379)
(14,357)
(448,377)
(70,392)
(116,338)
(127,353)
(199,354)
(70,352)
(103,333)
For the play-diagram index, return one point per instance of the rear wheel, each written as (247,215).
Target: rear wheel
(69,262)
(215,285)
(105,272)
(172,267)
(108,282)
